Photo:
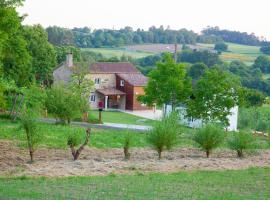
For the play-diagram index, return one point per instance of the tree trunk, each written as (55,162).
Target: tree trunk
(240,153)
(127,154)
(207,153)
(76,153)
(159,154)
(14,105)
(31,156)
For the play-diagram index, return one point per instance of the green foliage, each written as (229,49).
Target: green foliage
(42,52)
(197,70)
(241,141)
(73,139)
(2,97)
(253,97)
(214,95)
(165,133)
(209,138)
(262,63)
(265,50)
(167,84)
(199,56)
(255,118)
(62,103)
(221,46)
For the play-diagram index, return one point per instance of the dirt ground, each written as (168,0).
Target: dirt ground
(58,162)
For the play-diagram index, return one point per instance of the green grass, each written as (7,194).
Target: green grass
(121,118)
(237,185)
(55,136)
(118,52)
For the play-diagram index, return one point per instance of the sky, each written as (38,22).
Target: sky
(250,16)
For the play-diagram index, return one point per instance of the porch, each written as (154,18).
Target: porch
(112,98)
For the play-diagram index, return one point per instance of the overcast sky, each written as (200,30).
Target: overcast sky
(243,15)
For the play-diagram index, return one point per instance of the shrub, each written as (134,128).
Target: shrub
(221,46)
(74,140)
(63,104)
(164,134)
(209,138)
(29,125)
(241,141)
(127,144)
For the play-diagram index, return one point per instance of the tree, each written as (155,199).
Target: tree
(197,70)
(221,46)
(168,84)
(164,134)
(265,50)
(42,52)
(253,98)
(73,141)
(61,53)
(214,95)
(263,63)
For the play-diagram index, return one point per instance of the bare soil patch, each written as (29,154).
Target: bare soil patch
(58,162)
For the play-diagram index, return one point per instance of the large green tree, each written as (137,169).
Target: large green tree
(42,52)
(213,96)
(168,84)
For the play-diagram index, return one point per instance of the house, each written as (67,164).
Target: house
(116,84)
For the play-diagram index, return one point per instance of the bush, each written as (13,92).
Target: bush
(241,141)
(127,144)
(209,138)
(164,134)
(63,104)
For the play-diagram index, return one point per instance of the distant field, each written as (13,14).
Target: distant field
(243,53)
(118,52)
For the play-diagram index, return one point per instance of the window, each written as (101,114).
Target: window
(92,98)
(122,83)
(97,80)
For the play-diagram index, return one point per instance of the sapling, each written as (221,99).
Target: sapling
(29,125)
(241,141)
(74,140)
(209,138)
(164,134)
(127,144)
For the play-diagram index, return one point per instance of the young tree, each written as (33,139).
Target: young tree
(209,138)
(168,84)
(213,97)
(164,134)
(127,144)
(241,141)
(33,137)
(73,141)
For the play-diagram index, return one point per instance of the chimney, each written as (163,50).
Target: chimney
(69,60)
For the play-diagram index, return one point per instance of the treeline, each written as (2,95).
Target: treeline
(85,37)
(234,36)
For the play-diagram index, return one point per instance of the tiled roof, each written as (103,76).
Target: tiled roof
(110,91)
(136,79)
(113,67)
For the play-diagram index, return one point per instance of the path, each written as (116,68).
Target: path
(104,125)
(149,114)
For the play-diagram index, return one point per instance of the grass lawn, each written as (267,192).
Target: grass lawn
(121,118)
(118,52)
(241,184)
